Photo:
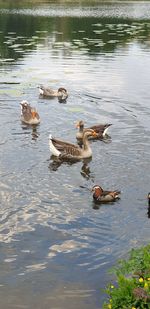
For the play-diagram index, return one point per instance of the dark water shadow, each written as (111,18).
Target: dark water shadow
(98,205)
(31,128)
(57,162)
(62,101)
(85,169)
(86,172)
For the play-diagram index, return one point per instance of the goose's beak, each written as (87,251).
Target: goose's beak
(33,114)
(94,134)
(77,125)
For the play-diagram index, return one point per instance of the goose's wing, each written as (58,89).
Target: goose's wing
(63,143)
(37,116)
(100,127)
(26,114)
(112,194)
(47,91)
(66,149)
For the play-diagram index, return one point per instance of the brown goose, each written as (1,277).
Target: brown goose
(29,115)
(100,129)
(47,92)
(99,195)
(67,150)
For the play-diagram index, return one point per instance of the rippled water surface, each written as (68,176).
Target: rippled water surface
(56,246)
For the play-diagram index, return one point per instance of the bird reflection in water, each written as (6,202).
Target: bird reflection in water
(57,162)
(95,206)
(85,169)
(35,134)
(60,100)
(34,131)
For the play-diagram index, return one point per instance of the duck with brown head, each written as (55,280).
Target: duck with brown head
(100,129)
(102,196)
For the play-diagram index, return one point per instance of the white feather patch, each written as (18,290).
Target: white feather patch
(52,148)
(105,131)
(41,91)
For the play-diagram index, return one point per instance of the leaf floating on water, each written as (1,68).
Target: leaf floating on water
(98,25)
(19,51)
(15,92)
(68,72)
(112,41)
(99,31)
(35,37)
(6,60)
(41,31)
(12,92)
(76,109)
(53,81)
(16,45)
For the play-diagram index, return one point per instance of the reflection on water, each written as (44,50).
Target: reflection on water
(92,37)
(54,244)
(85,169)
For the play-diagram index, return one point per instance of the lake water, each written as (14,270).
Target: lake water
(55,246)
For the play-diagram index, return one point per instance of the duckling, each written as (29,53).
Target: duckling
(67,150)
(100,129)
(47,92)
(100,195)
(29,115)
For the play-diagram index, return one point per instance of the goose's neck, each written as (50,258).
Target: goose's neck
(86,144)
(81,128)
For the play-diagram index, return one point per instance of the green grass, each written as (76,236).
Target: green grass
(132,288)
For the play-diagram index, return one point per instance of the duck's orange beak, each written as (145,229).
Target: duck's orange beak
(94,134)
(77,125)
(33,114)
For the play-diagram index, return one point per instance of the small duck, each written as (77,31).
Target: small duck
(47,92)
(65,150)
(102,196)
(29,115)
(100,129)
